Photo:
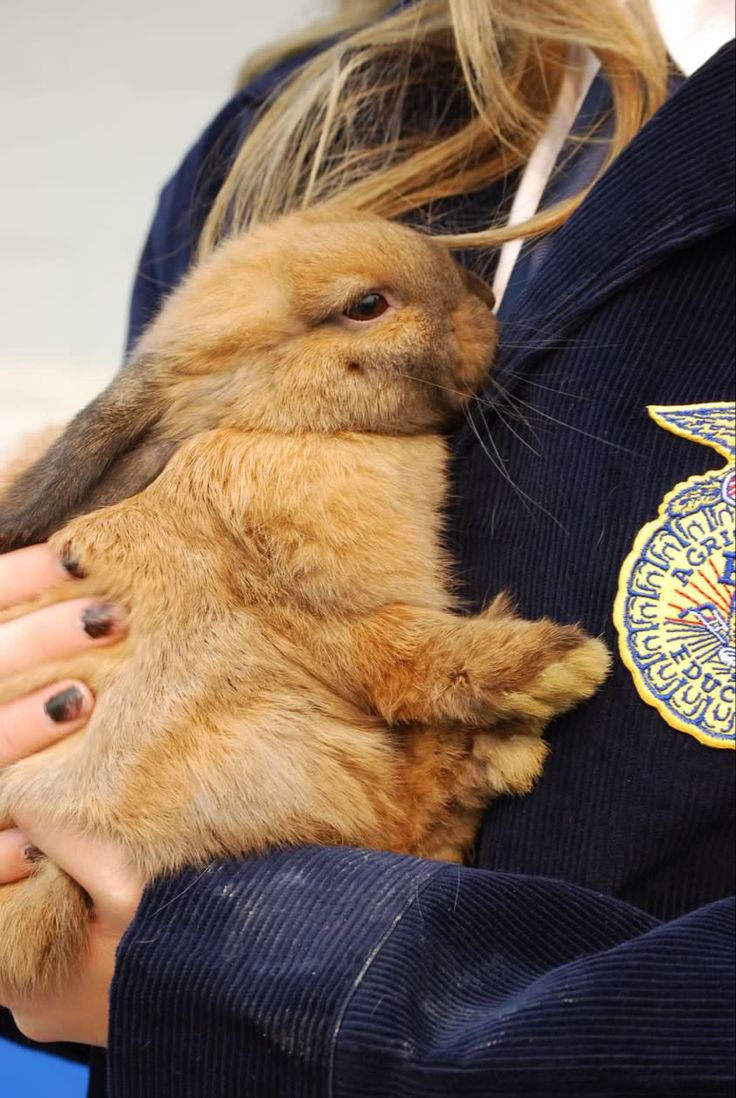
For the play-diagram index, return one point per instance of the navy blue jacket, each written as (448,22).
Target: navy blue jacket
(590,949)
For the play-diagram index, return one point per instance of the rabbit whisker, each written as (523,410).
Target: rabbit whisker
(435,385)
(500,466)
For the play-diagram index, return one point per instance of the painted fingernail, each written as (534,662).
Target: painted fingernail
(66,706)
(73,568)
(32,854)
(102,620)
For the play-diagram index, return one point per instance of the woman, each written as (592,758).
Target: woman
(587,951)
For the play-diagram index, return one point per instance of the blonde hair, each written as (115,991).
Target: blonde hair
(407,108)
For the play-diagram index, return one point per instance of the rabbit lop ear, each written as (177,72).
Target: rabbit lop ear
(478,286)
(102,456)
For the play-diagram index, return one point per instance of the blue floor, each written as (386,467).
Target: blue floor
(30,1074)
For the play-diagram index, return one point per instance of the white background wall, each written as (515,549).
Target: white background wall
(99,99)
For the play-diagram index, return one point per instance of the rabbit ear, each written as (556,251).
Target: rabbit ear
(477,286)
(102,456)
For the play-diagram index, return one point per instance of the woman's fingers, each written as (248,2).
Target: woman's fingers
(26,572)
(14,861)
(100,866)
(39,720)
(58,631)
(28,725)
(35,722)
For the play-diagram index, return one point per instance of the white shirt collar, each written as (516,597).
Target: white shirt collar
(693,30)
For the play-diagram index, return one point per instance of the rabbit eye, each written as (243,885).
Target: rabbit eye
(368,307)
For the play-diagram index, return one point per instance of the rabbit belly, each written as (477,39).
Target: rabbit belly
(183,764)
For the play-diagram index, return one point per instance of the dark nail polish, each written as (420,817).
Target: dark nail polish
(101,620)
(67,705)
(74,568)
(33,854)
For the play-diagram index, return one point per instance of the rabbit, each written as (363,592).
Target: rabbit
(262,488)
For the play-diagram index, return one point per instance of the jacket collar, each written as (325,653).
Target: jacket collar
(673,185)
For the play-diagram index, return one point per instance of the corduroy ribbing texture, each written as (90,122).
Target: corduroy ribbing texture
(326,972)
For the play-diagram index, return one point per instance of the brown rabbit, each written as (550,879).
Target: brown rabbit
(296,670)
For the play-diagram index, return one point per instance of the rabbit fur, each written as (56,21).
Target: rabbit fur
(262,488)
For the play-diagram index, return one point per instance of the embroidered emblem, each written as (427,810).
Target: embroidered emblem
(674,610)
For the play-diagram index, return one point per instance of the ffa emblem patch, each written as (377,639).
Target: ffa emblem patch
(674,610)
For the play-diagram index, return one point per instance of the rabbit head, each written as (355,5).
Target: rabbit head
(323,321)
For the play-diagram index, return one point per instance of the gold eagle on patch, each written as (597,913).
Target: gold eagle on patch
(674,609)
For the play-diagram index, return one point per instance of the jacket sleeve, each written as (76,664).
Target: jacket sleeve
(345,973)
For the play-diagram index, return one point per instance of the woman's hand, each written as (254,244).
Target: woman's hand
(56,632)
(77,1012)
